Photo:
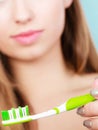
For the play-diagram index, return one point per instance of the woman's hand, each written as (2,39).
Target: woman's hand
(91,110)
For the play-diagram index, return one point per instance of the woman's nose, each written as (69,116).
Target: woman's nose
(22,12)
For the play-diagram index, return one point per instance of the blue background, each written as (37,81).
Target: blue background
(90,8)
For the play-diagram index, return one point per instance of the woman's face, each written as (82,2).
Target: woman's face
(29,28)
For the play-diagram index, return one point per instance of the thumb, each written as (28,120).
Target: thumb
(94,91)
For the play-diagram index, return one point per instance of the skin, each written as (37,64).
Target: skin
(42,60)
(26,15)
(91,109)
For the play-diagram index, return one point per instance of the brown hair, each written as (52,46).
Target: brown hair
(7,98)
(77,47)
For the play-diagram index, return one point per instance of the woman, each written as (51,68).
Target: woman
(48,56)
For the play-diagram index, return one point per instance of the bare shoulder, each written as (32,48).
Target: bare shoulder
(89,78)
(83,81)
(86,80)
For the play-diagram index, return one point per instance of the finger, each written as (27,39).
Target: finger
(89,110)
(92,123)
(94,91)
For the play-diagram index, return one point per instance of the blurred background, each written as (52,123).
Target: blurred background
(90,8)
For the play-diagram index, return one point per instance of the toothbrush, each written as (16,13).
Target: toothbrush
(21,114)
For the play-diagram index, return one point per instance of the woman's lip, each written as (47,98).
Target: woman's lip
(27,38)
(28,33)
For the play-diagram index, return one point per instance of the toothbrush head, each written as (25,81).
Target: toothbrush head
(16,116)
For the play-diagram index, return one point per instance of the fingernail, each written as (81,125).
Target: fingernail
(94,92)
(96,81)
(80,111)
(87,123)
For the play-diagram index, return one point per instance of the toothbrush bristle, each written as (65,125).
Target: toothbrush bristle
(5,115)
(15,113)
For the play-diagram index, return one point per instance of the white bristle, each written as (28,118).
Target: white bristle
(11,114)
(24,111)
(17,113)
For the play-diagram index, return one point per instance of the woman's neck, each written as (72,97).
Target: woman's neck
(48,73)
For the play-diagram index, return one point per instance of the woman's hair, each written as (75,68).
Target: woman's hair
(7,98)
(77,45)
(78,51)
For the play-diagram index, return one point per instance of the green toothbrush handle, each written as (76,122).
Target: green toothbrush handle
(79,101)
